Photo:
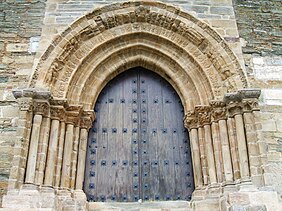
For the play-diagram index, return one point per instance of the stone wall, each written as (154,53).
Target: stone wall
(20,30)
(259,24)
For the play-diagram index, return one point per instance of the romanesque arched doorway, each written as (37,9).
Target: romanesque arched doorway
(138,147)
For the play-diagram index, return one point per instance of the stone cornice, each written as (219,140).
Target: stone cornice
(32,93)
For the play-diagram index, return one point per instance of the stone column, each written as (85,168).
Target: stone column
(32,153)
(226,153)
(233,147)
(203,155)
(60,153)
(56,115)
(42,149)
(249,106)
(65,178)
(235,110)
(217,151)
(205,120)
(25,101)
(219,116)
(40,107)
(191,123)
(85,125)
(72,115)
(74,156)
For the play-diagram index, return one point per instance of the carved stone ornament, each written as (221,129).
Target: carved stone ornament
(250,105)
(57,112)
(218,110)
(73,114)
(191,120)
(87,119)
(203,113)
(234,108)
(53,72)
(41,107)
(25,104)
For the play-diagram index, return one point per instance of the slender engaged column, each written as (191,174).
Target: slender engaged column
(217,151)
(81,158)
(24,126)
(249,107)
(60,153)
(203,155)
(228,173)
(198,177)
(42,150)
(233,147)
(66,169)
(191,123)
(32,155)
(210,155)
(242,147)
(52,152)
(235,110)
(73,114)
(74,157)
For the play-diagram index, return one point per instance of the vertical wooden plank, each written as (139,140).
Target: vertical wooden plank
(150,145)
(102,144)
(153,122)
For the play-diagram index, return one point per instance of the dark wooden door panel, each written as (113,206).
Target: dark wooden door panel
(138,147)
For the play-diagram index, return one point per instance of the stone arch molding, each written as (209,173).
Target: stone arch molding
(95,48)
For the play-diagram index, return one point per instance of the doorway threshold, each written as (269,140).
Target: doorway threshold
(144,206)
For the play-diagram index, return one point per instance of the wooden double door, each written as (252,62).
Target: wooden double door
(138,147)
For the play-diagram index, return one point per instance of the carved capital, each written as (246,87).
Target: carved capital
(73,114)
(57,112)
(41,107)
(25,104)
(203,113)
(250,105)
(191,120)
(87,119)
(234,108)
(218,110)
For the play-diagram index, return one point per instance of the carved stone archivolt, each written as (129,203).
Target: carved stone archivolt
(205,55)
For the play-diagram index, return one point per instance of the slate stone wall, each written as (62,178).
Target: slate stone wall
(20,30)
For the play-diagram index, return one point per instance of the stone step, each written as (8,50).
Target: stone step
(145,206)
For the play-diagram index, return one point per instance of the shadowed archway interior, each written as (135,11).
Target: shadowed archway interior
(138,147)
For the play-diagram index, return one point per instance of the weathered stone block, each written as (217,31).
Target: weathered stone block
(238,198)
(17,47)
(222,10)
